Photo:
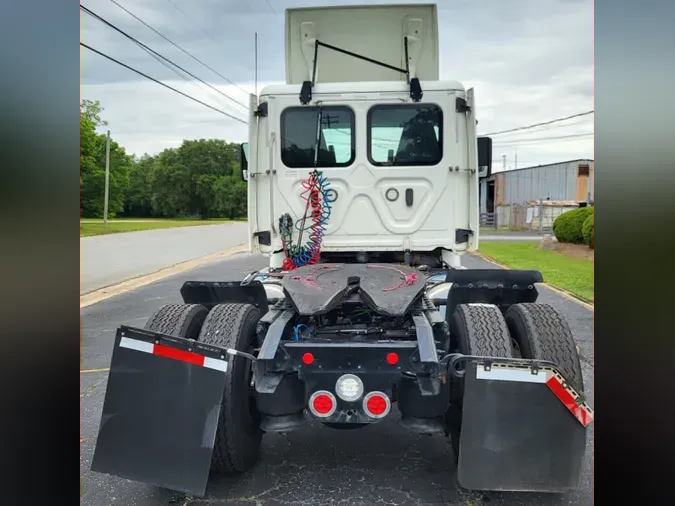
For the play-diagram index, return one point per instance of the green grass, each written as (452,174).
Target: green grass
(89,227)
(572,274)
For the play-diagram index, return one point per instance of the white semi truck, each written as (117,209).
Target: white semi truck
(363,177)
(397,146)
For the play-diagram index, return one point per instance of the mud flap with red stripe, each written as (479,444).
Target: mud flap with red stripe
(523,429)
(161,409)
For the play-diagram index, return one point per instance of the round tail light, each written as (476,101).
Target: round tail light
(376,404)
(322,404)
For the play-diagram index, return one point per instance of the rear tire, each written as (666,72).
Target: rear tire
(542,333)
(238,434)
(479,329)
(180,320)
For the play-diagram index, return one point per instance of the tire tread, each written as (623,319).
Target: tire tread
(174,319)
(550,337)
(226,326)
(483,330)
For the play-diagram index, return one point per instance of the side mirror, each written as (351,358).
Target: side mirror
(484,157)
(243,161)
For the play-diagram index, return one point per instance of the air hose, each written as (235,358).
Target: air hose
(317,210)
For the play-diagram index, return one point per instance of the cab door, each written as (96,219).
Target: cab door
(397,171)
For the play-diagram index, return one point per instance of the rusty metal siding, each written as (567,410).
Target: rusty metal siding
(499,189)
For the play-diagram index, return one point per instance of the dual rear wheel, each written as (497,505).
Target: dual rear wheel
(527,330)
(238,433)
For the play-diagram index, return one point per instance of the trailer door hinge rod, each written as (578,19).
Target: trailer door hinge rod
(414,83)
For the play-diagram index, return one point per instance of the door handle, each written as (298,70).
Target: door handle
(409,197)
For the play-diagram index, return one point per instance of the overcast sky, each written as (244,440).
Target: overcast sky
(530,61)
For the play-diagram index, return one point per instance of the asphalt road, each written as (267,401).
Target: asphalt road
(113,258)
(382,464)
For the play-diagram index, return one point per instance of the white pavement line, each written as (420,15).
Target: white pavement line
(107,292)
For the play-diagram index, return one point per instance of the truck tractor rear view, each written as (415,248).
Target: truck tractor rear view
(363,174)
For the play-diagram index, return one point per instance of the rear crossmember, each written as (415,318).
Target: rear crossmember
(276,358)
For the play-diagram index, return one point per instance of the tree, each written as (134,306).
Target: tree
(90,120)
(171,185)
(207,162)
(92,166)
(197,179)
(138,200)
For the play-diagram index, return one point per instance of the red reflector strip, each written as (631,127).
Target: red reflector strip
(184,356)
(581,413)
(174,354)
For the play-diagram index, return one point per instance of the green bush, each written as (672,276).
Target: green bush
(568,226)
(588,231)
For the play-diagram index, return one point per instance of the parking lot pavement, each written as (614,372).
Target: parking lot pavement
(381,464)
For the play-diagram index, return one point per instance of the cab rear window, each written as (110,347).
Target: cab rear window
(403,134)
(298,137)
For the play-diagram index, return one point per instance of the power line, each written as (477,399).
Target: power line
(161,83)
(551,127)
(512,142)
(177,46)
(270,6)
(156,54)
(539,124)
(205,33)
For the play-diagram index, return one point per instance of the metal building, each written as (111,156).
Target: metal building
(506,194)
(569,181)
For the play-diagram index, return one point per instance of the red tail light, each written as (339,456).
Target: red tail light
(376,404)
(322,404)
(392,358)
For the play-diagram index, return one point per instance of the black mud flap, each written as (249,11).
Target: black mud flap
(160,411)
(523,429)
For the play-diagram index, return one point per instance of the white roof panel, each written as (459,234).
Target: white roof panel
(374,31)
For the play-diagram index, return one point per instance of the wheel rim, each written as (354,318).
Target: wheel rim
(517,353)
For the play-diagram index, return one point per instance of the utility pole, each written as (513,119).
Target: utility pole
(255,64)
(515,161)
(541,215)
(504,162)
(107,179)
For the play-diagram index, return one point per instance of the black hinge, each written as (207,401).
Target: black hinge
(261,111)
(415,89)
(264,238)
(461,105)
(462,235)
(306,92)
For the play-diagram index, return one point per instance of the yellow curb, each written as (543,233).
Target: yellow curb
(95,370)
(560,291)
(131,284)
